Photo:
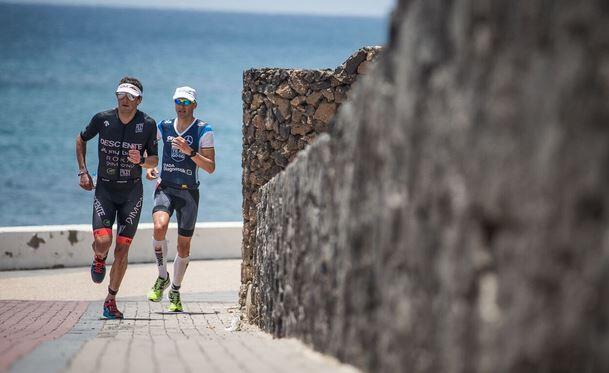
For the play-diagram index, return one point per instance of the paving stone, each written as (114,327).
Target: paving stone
(149,339)
(26,324)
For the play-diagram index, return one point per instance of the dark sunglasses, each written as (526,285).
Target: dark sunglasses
(121,95)
(182,101)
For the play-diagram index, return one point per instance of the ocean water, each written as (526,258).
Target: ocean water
(59,65)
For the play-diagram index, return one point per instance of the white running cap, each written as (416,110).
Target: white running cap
(129,88)
(185,92)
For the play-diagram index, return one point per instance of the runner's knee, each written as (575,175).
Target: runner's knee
(160,221)
(103,238)
(122,246)
(160,228)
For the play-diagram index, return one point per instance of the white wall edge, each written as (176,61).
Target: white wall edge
(53,246)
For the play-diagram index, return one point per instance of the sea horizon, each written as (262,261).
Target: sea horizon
(179,8)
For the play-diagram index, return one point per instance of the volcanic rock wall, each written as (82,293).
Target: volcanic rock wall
(283,111)
(455,219)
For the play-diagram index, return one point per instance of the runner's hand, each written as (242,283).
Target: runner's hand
(152,173)
(134,156)
(86,182)
(181,144)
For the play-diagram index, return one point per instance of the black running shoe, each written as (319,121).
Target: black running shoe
(98,269)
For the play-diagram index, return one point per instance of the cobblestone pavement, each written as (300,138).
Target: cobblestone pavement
(151,339)
(25,324)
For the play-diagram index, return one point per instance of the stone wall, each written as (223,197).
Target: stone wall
(283,111)
(455,218)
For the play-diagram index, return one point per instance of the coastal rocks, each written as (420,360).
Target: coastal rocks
(454,218)
(283,111)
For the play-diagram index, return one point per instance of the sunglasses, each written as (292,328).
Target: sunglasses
(121,95)
(183,101)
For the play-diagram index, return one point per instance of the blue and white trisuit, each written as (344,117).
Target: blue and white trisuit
(178,188)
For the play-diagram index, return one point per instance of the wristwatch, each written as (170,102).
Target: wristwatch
(192,153)
(82,172)
(142,161)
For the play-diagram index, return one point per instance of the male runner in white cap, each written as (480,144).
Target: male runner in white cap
(125,133)
(188,144)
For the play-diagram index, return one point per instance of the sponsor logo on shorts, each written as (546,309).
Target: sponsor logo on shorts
(97,206)
(134,213)
(107,222)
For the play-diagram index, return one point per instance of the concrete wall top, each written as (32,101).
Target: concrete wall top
(53,246)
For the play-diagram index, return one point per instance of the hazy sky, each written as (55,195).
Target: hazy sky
(373,8)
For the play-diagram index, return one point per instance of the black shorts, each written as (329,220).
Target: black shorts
(185,202)
(122,200)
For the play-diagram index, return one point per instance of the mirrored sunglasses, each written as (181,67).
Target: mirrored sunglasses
(182,101)
(121,95)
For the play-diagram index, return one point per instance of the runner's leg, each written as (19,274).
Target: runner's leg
(161,213)
(181,261)
(128,220)
(186,213)
(104,213)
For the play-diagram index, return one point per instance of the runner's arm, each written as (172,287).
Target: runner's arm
(89,132)
(152,173)
(81,153)
(86,182)
(206,156)
(205,159)
(151,149)
(151,161)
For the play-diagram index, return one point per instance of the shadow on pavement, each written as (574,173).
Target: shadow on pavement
(187,313)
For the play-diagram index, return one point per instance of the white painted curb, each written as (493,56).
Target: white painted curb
(54,246)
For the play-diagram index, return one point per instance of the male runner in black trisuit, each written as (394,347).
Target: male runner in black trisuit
(125,133)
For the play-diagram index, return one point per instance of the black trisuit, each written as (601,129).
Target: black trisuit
(119,184)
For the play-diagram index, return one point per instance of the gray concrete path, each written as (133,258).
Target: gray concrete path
(151,339)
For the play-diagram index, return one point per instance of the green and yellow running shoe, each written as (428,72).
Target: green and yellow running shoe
(175,305)
(156,293)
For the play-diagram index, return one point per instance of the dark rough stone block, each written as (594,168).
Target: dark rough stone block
(270,118)
(455,218)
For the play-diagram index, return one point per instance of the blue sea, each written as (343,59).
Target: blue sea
(59,65)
